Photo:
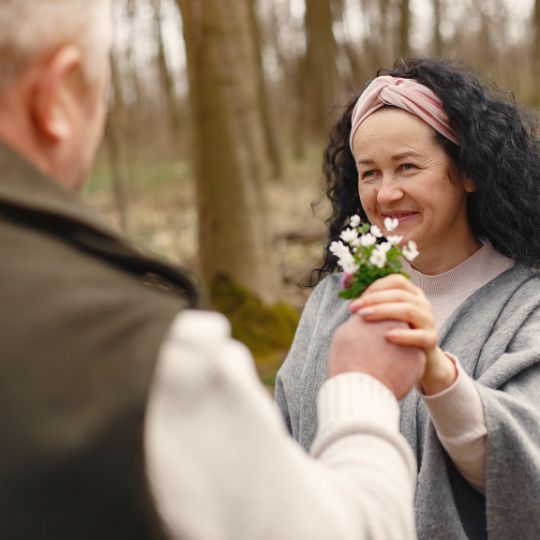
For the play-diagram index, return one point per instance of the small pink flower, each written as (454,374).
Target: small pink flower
(346,280)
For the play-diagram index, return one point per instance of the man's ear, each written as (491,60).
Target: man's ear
(53,93)
(469,184)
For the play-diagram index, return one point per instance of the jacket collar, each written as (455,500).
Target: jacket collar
(25,187)
(28,196)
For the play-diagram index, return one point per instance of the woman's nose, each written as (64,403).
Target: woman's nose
(388,192)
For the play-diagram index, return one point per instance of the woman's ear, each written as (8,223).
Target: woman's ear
(469,184)
(53,96)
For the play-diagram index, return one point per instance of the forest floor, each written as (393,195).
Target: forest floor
(162,219)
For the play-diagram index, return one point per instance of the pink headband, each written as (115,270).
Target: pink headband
(407,94)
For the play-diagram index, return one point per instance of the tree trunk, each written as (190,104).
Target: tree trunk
(322,74)
(165,77)
(136,116)
(404,28)
(349,50)
(300,109)
(113,136)
(536,52)
(437,21)
(229,145)
(383,49)
(272,144)
(485,53)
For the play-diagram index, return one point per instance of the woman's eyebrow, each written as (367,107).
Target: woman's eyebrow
(408,153)
(365,161)
(395,157)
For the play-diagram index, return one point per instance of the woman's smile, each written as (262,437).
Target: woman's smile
(403,216)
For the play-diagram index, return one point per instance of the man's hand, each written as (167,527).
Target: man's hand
(360,346)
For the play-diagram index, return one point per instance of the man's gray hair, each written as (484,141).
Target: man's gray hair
(29,28)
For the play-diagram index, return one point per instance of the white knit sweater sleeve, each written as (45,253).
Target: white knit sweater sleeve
(221,465)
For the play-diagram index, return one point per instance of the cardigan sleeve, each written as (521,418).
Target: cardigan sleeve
(509,390)
(221,465)
(288,389)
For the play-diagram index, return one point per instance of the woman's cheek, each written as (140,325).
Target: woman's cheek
(367,200)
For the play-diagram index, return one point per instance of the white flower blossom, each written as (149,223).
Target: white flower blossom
(345,257)
(337,248)
(391,224)
(378,258)
(347,262)
(410,251)
(357,242)
(355,221)
(367,240)
(349,235)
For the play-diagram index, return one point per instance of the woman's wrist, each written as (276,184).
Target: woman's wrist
(440,373)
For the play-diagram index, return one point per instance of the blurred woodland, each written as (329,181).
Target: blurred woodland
(219,114)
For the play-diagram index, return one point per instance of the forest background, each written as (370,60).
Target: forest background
(219,113)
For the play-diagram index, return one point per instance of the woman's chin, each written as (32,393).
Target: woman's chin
(407,236)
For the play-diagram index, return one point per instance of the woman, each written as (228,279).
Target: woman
(459,168)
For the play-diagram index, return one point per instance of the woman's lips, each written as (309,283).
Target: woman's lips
(402,217)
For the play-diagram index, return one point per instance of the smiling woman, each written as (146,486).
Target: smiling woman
(458,167)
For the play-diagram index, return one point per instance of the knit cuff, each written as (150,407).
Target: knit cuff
(457,412)
(356,398)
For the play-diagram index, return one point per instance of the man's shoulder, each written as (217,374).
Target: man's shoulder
(64,281)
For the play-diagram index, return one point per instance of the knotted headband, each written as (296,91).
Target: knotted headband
(406,94)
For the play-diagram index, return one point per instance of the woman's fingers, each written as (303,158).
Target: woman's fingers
(414,315)
(393,281)
(440,371)
(396,298)
(422,338)
(395,284)
(388,296)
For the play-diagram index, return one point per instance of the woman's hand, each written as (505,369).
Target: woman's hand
(396,298)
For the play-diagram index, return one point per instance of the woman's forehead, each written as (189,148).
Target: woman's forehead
(391,129)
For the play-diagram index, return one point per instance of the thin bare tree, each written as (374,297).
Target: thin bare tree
(321,74)
(165,76)
(115,144)
(438,14)
(536,54)
(404,29)
(268,119)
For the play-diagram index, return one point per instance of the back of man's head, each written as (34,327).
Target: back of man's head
(30,28)
(53,76)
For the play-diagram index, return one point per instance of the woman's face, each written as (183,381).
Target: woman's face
(404,173)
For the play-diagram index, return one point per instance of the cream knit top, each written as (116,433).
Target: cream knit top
(447,291)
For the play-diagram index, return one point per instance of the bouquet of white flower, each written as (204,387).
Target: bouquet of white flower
(366,255)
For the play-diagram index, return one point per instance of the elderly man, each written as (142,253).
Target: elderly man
(124,413)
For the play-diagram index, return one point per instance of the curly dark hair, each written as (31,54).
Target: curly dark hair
(499,150)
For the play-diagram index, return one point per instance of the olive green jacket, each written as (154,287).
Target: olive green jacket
(82,318)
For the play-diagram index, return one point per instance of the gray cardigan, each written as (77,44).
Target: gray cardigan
(496,335)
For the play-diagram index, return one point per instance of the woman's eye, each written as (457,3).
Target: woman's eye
(408,166)
(367,174)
